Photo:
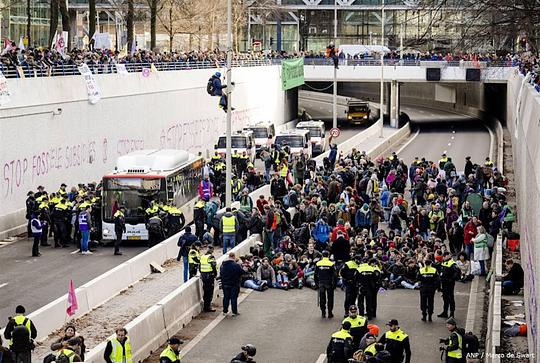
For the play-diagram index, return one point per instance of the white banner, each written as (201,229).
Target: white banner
(102,41)
(60,42)
(4,90)
(91,85)
(121,68)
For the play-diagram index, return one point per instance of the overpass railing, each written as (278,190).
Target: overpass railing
(110,68)
(33,71)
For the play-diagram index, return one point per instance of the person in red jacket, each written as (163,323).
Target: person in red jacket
(469,232)
(339,227)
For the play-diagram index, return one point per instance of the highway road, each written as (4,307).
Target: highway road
(286,326)
(34,282)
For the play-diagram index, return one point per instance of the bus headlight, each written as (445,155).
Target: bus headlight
(349,117)
(365,117)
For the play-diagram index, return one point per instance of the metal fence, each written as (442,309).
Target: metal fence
(71,69)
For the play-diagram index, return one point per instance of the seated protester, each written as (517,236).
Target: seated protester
(265,272)
(397,272)
(288,247)
(70,332)
(464,266)
(513,280)
(282,273)
(296,275)
(249,279)
(308,272)
(409,278)
(312,254)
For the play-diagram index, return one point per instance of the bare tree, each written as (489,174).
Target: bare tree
(91,18)
(129,24)
(171,19)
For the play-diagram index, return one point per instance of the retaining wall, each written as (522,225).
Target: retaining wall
(523,122)
(41,145)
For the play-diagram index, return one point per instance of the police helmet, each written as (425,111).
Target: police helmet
(250,349)
(218,74)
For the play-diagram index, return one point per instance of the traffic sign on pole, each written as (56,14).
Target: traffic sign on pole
(335,132)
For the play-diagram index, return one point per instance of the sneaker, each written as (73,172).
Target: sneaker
(235,314)
(225,313)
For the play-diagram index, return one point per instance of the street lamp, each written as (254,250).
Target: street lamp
(381,110)
(228,162)
(334,99)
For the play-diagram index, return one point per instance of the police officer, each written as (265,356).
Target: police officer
(429,283)
(199,216)
(325,278)
(60,217)
(31,207)
(358,325)
(208,271)
(176,220)
(20,331)
(340,347)
(367,281)
(454,344)
(171,354)
(118,349)
(155,230)
(443,160)
(349,274)
(194,259)
(396,342)
(119,228)
(449,273)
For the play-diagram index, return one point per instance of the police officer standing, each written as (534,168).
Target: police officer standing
(194,259)
(349,274)
(171,354)
(119,229)
(340,347)
(20,331)
(208,275)
(358,326)
(449,273)
(367,280)
(325,278)
(454,344)
(429,283)
(155,230)
(396,342)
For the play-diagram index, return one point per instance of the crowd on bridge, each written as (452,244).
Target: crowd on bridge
(529,66)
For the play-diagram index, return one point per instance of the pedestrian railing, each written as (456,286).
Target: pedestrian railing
(34,71)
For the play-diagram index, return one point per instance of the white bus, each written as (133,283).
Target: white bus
(144,176)
(261,131)
(240,141)
(297,140)
(316,134)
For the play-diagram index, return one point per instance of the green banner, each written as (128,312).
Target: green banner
(292,73)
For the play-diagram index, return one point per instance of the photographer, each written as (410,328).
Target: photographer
(246,355)
(454,344)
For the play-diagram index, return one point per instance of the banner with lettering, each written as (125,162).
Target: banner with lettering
(4,90)
(94,95)
(292,73)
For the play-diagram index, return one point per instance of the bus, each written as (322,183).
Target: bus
(240,141)
(358,112)
(316,134)
(261,131)
(143,176)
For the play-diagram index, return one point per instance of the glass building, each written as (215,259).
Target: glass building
(437,25)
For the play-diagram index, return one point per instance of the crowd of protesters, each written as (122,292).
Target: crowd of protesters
(529,65)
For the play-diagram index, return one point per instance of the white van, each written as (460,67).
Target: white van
(297,140)
(240,141)
(316,134)
(261,131)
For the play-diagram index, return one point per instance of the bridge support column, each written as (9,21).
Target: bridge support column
(394,104)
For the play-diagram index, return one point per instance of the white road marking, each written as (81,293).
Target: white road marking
(444,152)
(453,132)
(192,343)
(4,284)
(321,359)
(491,142)
(453,137)
(74,252)
(408,142)
(449,144)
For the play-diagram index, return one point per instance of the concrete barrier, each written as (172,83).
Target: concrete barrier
(152,328)
(391,141)
(493,336)
(105,286)
(139,265)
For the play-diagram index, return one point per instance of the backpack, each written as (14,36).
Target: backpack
(287,199)
(63,357)
(20,331)
(471,344)
(210,89)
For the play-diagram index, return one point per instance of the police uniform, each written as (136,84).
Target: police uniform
(169,356)
(367,279)
(454,349)
(358,329)
(340,347)
(119,229)
(449,274)
(429,283)
(397,344)
(325,278)
(194,261)
(155,231)
(349,274)
(208,271)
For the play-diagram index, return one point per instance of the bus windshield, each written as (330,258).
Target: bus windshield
(358,109)
(290,140)
(135,194)
(237,142)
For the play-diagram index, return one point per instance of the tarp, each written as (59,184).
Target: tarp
(292,73)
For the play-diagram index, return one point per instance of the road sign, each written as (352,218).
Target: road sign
(335,132)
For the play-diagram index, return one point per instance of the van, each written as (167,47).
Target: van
(316,134)
(240,141)
(297,141)
(261,131)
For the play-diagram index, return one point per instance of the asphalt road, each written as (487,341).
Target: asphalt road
(34,282)
(286,326)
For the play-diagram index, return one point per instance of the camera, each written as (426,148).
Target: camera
(443,341)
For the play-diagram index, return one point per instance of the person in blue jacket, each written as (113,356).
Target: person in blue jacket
(218,90)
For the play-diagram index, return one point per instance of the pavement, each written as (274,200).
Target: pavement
(36,281)
(286,326)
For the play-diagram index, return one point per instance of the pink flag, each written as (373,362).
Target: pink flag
(72,300)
